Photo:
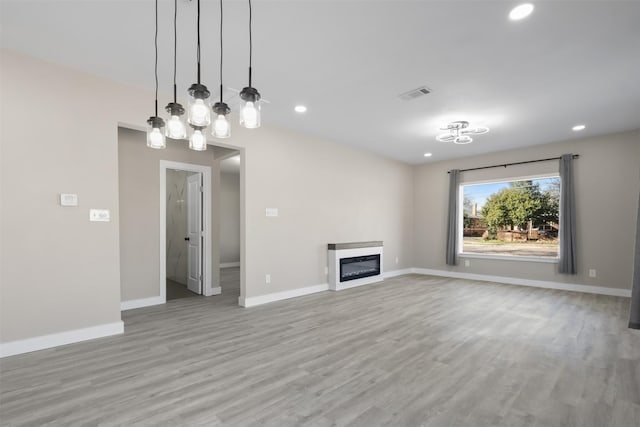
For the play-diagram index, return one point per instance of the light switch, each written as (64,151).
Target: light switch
(67,199)
(99,215)
(271,212)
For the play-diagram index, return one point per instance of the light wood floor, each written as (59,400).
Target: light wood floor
(177,290)
(412,351)
(229,282)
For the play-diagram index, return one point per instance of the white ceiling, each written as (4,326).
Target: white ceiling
(570,62)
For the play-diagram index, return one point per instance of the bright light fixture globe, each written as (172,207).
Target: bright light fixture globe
(221,128)
(521,11)
(249,115)
(176,128)
(198,140)
(155,133)
(199,113)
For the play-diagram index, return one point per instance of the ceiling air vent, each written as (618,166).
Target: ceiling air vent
(415,93)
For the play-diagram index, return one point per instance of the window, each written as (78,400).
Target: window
(511,218)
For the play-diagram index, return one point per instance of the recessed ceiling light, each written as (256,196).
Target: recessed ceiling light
(300,108)
(428,154)
(521,11)
(578,128)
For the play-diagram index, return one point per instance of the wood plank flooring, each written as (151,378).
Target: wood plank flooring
(177,290)
(411,351)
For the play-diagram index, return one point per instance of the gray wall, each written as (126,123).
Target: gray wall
(325,193)
(63,273)
(607,176)
(139,176)
(229,212)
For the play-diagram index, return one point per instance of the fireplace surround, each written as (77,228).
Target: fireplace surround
(354,264)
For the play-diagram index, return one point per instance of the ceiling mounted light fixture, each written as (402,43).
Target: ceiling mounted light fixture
(249,96)
(221,126)
(155,128)
(578,128)
(459,131)
(200,108)
(176,127)
(521,11)
(300,109)
(199,111)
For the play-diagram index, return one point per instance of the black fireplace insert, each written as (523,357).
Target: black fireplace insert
(359,266)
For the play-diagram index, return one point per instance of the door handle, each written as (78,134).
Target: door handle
(186,239)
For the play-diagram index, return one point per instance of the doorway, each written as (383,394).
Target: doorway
(184,233)
(229,217)
(185,230)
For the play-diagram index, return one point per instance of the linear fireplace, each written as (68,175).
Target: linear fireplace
(357,267)
(354,264)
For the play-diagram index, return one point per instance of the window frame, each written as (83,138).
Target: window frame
(460,218)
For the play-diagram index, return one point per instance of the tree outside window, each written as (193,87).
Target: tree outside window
(518,218)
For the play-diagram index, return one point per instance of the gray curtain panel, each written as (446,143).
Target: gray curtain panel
(452,219)
(567,263)
(634,318)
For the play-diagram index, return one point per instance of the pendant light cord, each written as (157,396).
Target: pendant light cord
(221,51)
(156,59)
(175,49)
(198,29)
(250,42)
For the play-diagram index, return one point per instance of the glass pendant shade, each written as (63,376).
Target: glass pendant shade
(249,108)
(199,107)
(176,127)
(198,139)
(155,133)
(221,126)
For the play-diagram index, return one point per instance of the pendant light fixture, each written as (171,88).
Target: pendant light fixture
(199,111)
(155,128)
(198,138)
(221,127)
(249,96)
(176,127)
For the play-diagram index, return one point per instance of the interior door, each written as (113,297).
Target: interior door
(194,233)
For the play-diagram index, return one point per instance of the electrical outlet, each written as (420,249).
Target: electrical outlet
(326,271)
(397,259)
(592,272)
(467,263)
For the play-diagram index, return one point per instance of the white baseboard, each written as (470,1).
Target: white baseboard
(216,291)
(61,338)
(142,302)
(278,296)
(395,273)
(229,264)
(616,292)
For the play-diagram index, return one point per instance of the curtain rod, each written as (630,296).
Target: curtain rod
(504,165)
